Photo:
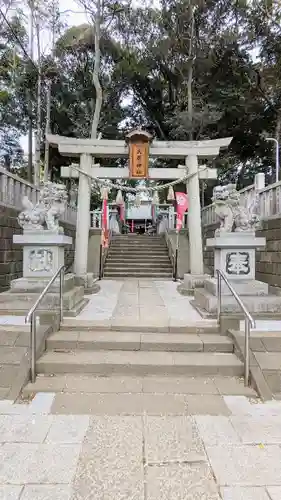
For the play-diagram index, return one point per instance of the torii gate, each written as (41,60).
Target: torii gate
(189,151)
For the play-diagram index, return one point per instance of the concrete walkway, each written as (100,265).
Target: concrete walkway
(50,450)
(133,438)
(141,302)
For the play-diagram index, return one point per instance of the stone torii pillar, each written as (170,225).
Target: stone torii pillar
(194,218)
(83,219)
(196,277)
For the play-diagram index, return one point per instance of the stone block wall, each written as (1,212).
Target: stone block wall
(268,261)
(11,255)
(208,253)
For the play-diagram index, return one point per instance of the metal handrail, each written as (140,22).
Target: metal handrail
(249,321)
(31,317)
(103,255)
(172,255)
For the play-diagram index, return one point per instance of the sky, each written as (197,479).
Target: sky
(72,14)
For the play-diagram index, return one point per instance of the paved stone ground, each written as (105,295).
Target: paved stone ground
(156,453)
(146,302)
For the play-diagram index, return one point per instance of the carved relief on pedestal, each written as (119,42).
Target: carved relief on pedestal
(237,263)
(40,260)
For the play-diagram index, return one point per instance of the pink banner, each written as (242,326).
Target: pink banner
(122,212)
(104,228)
(182,206)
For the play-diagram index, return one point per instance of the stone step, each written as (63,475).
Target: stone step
(134,341)
(92,384)
(138,237)
(132,266)
(138,248)
(133,261)
(161,257)
(137,274)
(209,326)
(139,363)
(136,256)
(147,242)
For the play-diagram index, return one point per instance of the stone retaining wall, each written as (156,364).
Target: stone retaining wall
(11,255)
(208,253)
(268,261)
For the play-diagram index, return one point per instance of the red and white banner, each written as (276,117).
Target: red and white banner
(122,212)
(182,207)
(104,228)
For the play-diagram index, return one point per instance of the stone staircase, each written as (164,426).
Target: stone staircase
(138,256)
(83,351)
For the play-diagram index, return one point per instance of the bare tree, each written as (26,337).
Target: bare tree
(39,106)
(30,99)
(94,9)
(54,26)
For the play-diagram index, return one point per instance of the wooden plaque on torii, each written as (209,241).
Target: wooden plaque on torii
(138,141)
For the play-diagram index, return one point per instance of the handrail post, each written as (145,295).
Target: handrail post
(33,347)
(61,294)
(100,263)
(219,297)
(247,353)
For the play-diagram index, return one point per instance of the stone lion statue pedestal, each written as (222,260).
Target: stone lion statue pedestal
(234,246)
(44,246)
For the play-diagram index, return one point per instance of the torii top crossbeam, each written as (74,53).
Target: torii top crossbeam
(106,148)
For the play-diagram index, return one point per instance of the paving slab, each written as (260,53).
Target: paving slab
(111,479)
(213,342)
(246,493)
(24,428)
(111,460)
(68,429)
(274,492)
(42,403)
(246,465)
(46,492)
(113,384)
(178,482)
(216,430)
(83,383)
(206,405)
(11,355)
(119,404)
(257,429)
(175,342)
(238,405)
(268,360)
(172,439)
(23,463)
(4,391)
(10,492)
(233,386)
(180,385)
(116,436)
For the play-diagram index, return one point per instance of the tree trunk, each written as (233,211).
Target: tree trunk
(47,131)
(30,100)
(96,81)
(38,122)
(49,96)
(190,70)
(277,137)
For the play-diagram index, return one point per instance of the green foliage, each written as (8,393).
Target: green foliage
(147,54)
